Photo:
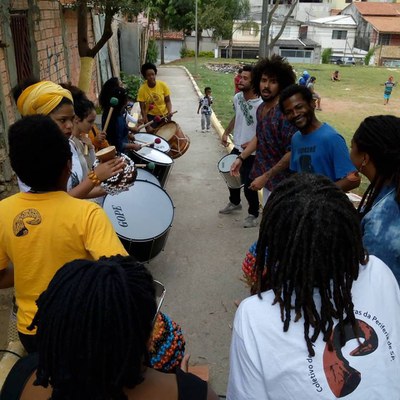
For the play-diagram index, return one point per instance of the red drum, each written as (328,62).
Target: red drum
(178,141)
(142,218)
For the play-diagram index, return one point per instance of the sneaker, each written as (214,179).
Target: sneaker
(229,208)
(203,130)
(208,130)
(250,222)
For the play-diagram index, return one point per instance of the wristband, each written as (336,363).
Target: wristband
(94,178)
(240,157)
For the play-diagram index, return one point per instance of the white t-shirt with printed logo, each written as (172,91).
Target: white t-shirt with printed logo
(267,363)
(245,119)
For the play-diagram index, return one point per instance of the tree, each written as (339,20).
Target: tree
(109,8)
(267,42)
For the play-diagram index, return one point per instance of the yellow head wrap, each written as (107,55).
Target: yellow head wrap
(41,98)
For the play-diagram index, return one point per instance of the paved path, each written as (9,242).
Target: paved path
(201,264)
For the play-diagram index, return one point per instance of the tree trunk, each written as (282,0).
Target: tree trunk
(86,53)
(263,33)
(162,41)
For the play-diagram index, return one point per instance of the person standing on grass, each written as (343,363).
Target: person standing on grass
(206,110)
(389,85)
(273,133)
(243,125)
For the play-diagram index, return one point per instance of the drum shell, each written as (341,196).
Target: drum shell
(173,134)
(142,218)
(224,167)
(162,162)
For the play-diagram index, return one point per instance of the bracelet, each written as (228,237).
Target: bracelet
(94,178)
(240,158)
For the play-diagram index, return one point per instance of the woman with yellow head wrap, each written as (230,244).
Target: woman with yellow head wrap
(50,99)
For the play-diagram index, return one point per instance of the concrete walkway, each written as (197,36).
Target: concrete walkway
(201,264)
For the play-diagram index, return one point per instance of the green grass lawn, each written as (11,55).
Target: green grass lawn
(345,104)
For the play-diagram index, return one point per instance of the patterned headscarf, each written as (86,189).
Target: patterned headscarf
(41,98)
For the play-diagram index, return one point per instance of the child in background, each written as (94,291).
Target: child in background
(335,76)
(206,110)
(389,85)
(315,95)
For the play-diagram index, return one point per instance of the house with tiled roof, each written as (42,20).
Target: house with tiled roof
(378,26)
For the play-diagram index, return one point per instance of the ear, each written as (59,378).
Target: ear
(365,160)
(77,119)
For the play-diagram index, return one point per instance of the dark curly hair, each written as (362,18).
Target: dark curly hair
(379,137)
(93,325)
(38,151)
(276,67)
(147,66)
(291,91)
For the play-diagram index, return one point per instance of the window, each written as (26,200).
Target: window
(248,31)
(339,35)
(384,39)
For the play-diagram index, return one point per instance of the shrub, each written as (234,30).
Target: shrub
(326,56)
(370,53)
(152,52)
(132,84)
(186,52)
(206,54)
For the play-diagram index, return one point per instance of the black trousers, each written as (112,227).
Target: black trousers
(251,195)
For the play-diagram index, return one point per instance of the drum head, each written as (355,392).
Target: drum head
(148,137)
(143,212)
(144,175)
(225,163)
(167,131)
(153,155)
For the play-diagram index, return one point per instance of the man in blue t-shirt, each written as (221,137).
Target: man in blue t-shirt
(316,147)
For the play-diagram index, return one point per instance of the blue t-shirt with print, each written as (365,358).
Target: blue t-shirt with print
(323,152)
(381,229)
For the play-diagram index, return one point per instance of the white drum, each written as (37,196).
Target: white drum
(142,218)
(144,175)
(142,138)
(224,168)
(162,162)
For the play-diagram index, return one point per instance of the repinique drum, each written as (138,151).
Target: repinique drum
(224,168)
(178,141)
(144,175)
(163,162)
(142,218)
(142,138)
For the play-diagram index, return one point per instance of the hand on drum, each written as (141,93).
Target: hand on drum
(109,168)
(235,167)
(149,129)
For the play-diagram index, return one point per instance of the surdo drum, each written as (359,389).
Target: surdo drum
(142,218)
(144,175)
(224,168)
(163,162)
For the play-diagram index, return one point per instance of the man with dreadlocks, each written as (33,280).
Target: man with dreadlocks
(273,132)
(316,146)
(94,323)
(339,334)
(375,151)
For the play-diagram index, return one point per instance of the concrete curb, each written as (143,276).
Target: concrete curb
(214,120)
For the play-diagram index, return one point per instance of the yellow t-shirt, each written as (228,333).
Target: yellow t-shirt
(154,96)
(39,233)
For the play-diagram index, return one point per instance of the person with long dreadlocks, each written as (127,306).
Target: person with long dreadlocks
(94,324)
(44,228)
(325,322)
(375,151)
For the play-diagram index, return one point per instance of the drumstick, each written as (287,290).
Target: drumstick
(156,119)
(85,147)
(113,103)
(150,165)
(147,144)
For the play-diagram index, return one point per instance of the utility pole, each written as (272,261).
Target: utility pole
(264,27)
(196,49)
